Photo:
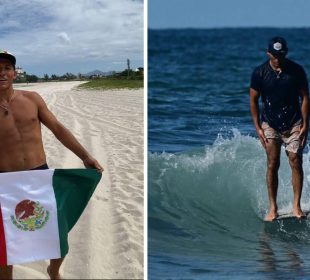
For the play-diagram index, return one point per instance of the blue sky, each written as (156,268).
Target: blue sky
(77,36)
(228,13)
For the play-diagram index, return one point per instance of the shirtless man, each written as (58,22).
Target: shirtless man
(21,146)
(283,86)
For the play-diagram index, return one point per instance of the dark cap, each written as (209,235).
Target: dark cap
(8,56)
(278,46)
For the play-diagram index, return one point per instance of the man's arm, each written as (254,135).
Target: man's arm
(304,94)
(254,97)
(63,134)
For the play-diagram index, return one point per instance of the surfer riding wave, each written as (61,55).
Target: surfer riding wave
(283,87)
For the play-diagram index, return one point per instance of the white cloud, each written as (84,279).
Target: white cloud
(64,38)
(60,34)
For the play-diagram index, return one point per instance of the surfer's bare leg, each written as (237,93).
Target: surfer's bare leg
(295,161)
(273,150)
(53,268)
(6,272)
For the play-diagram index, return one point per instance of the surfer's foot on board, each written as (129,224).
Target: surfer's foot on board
(298,213)
(272,215)
(51,275)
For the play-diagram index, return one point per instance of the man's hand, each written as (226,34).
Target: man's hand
(91,162)
(262,137)
(303,134)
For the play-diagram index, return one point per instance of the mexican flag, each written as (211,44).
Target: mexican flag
(37,210)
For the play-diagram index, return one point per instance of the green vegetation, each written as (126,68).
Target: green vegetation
(126,79)
(112,83)
(25,78)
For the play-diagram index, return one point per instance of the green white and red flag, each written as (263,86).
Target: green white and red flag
(38,209)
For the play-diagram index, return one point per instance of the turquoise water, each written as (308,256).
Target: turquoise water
(206,169)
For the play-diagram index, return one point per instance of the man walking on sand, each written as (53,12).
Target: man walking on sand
(21,146)
(283,87)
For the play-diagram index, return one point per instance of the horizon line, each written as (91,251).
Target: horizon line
(230,27)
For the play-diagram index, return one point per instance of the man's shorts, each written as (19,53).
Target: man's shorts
(290,138)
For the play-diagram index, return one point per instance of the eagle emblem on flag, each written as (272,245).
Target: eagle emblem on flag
(29,215)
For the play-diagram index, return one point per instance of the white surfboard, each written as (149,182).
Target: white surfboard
(291,216)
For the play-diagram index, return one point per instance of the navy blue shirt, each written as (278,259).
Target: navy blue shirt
(280,93)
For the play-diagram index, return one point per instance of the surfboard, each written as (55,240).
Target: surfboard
(285,216)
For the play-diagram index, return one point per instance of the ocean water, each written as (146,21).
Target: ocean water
(207,194)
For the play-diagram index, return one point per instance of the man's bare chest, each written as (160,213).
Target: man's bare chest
(19,119)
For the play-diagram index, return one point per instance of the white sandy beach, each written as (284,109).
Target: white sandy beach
(107,241)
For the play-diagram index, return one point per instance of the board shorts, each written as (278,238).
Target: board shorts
(289,138)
